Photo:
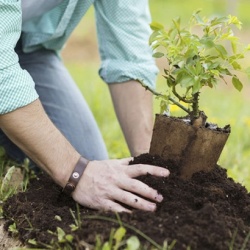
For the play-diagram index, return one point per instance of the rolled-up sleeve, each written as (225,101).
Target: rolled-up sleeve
(123,33)
(16,85)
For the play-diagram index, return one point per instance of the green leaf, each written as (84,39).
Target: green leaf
(163,106)
(73,227)
(5,185)
(12,228)
(158,54)
(234,46)
(155,45)
(224,71)
(69,237)
(215,72)
(196,87)
(106,246)
(170,81)
(210,84)
(214,65)
(190,53)
(237,83)
(234,20)
(221,50)
(60,234)
(236,65)
(119,234)
(220,20)
(186,81)
(208,42)
(181,64)
(133,243)
(166,71)
(57,217)
(32,242)
(198,18)
(177,23)
(156,26)
(198,68)
(153,37)
(236,57)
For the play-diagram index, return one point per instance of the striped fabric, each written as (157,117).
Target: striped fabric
(123,32)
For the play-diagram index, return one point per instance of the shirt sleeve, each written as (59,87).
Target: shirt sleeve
(123,34)
(16,85)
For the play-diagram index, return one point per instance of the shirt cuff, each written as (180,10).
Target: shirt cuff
(17,89)
(116,71)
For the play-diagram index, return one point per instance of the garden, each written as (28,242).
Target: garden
(207,208)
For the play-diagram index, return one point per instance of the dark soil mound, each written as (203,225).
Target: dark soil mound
(208,212)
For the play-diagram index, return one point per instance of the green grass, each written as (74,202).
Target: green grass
(165,11)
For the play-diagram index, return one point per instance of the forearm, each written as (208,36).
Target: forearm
(134,109)
(30,129)
(98,187)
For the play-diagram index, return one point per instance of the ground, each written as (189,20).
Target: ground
(210,211)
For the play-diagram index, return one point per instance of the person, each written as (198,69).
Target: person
(44,116)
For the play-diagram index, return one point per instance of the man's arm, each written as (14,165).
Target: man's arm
(33,132)
(134,110)
(103,184)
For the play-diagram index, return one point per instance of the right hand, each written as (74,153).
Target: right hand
(107,184)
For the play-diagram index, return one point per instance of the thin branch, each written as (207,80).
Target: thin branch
(161,95)
(179,105)
(180,97)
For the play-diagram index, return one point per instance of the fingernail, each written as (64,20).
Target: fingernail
(152,207)
(165,173)
(159,198)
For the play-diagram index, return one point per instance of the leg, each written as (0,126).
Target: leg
(64,104)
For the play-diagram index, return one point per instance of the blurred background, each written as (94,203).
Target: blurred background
(223,105)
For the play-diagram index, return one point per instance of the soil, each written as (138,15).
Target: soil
(208,212)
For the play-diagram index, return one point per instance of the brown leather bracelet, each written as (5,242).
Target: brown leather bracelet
(75,176)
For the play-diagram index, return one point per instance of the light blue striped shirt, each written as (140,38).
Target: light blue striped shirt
(123,32)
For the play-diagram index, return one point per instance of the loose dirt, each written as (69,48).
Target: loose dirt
(209,211)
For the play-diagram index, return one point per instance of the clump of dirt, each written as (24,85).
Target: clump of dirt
(209,211)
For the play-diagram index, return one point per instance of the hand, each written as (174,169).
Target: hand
(106,184)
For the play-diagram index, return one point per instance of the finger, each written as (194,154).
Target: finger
(144,169)
(126,161)
(109,205)
(142,189)
(134,201)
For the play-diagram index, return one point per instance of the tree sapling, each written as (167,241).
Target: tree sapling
(197,56)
